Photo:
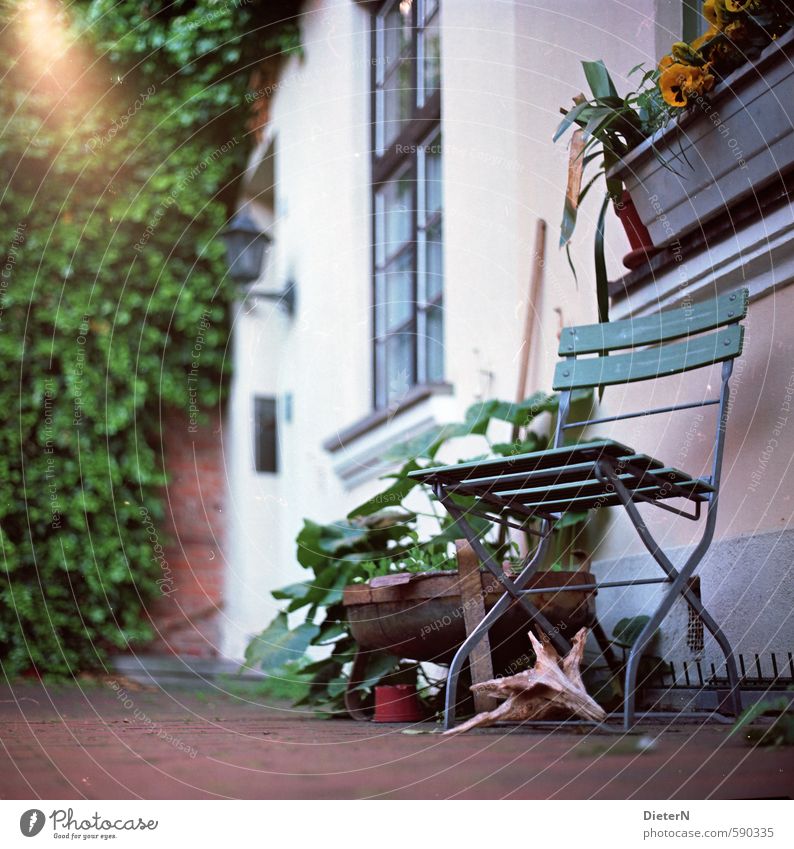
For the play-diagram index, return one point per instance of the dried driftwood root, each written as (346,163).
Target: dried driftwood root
(552,689)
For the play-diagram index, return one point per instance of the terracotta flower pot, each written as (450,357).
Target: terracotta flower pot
(642,248)
(397,703)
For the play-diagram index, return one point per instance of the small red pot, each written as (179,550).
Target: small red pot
(642,248)
(397,703)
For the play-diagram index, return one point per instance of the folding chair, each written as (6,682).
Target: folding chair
(514,491)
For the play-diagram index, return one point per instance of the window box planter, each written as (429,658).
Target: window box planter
(728,148)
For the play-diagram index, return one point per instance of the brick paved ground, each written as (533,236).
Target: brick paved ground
(89,741)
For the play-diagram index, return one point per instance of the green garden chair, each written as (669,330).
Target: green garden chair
(543,485)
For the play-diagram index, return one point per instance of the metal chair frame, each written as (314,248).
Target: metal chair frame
(607,470)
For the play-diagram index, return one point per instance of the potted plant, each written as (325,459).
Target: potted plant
(381,591)
(609,127)
(734,138)
(703,130)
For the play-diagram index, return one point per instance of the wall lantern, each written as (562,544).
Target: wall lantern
(246,248)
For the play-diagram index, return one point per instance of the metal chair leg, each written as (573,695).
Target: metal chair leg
(495,613)
(678,588)
(450,698)
(513,587)
(734,694)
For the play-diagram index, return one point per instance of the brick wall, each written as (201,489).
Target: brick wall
(187,613)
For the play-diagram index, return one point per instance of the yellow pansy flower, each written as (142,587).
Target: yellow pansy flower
(666,61)
(679,82)
(710,12)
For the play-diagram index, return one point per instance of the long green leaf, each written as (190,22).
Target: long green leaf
(599,80)
(570,116)
(602,284)
(568,223)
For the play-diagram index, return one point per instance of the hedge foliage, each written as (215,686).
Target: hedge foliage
(124,128)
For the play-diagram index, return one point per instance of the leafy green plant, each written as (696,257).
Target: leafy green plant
(611,126)
(780,732)
(126,132)
(373,541)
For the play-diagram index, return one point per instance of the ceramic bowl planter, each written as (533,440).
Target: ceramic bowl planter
(419,617)
(739,140)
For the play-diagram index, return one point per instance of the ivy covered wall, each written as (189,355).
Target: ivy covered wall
(125,130)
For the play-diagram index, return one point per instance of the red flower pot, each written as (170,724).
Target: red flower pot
(642,248)
(397,703)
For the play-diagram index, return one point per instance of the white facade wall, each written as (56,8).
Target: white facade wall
(507,67)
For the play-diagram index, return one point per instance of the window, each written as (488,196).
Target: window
(407,199)
(265,435)
(693,24)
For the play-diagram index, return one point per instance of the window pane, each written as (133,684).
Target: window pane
(399,288)
(399,366)
(433,185)
(434,344)
(432,58)
(408,236)
(265,435)
(398,94)
(396,32)
(434,264)
(431,7)
(396,200)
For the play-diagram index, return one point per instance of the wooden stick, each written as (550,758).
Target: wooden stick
(473,613)
(536,278)
(538,263)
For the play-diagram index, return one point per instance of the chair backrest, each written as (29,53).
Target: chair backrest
(710,331)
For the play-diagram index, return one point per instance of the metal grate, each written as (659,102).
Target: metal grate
(773,671)
(694,627)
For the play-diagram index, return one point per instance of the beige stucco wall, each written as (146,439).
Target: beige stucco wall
(507,68)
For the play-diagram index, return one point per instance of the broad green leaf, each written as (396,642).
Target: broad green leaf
(278,644)
(330,633)
(627,630)
(292,591)
(599,80)
(391,497)
(379,665)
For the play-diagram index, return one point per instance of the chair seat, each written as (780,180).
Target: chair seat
(564,479)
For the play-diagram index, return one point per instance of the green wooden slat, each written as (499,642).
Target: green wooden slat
(549,459)
(548,477)
(580,486)
(662,327)
(605,499)
(650,362)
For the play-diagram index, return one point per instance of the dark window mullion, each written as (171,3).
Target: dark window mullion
(417,319)
(391,159)
(388,260)
(432,220)
(420,267)
(398,329)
